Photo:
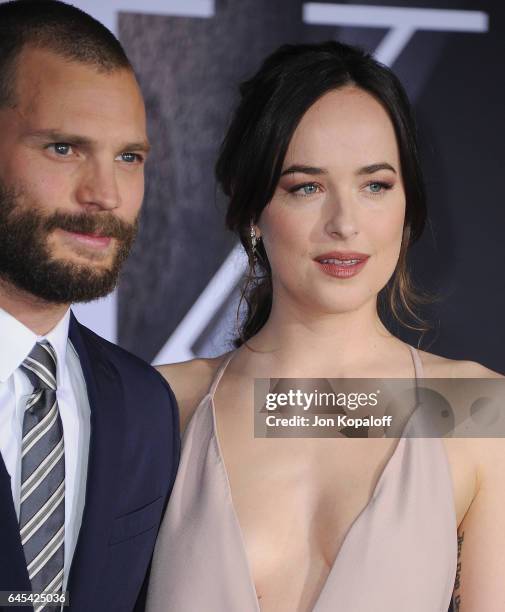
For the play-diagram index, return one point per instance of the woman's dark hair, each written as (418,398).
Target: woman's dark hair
(248,169)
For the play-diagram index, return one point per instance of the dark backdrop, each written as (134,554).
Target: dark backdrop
(189,69)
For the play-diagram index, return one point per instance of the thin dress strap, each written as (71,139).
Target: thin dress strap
(220,372)
(418,368)
(418,364)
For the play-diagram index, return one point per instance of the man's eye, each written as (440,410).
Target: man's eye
(62,149)
(131,158)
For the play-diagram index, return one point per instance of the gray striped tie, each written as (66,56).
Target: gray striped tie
(42,511)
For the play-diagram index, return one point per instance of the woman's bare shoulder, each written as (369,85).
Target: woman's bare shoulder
(190,381)
(436,366)
(192,373)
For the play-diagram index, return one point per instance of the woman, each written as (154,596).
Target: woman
(320,164)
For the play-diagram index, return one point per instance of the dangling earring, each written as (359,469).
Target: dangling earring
(254,240)
(254,250)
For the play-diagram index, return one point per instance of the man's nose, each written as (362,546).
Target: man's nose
(98,187)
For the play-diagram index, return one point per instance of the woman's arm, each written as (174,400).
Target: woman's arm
(480,576)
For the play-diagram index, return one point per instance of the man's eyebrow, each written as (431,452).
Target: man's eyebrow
(375,168)
(56,136)
(304,170)
(143,146)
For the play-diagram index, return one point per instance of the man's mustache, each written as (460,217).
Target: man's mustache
(102,224)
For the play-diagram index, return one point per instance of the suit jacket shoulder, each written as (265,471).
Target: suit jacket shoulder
(133,459)
(125,361)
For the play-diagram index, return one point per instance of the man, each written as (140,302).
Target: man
(89,438)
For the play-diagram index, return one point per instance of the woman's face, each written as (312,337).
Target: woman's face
(333,229)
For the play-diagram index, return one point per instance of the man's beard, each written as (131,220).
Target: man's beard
(26,261)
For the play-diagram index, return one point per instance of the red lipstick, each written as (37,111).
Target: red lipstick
(341,264)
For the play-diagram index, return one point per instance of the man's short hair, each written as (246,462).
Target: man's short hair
(57,27)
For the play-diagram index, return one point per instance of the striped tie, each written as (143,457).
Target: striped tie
(42,510)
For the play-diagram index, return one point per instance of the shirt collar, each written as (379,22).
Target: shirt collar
(58,337)
(18,341)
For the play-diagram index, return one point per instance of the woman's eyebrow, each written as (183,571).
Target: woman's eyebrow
(313,170)
(375,168)
(303,170)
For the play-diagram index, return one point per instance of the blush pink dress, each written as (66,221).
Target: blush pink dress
(399,554)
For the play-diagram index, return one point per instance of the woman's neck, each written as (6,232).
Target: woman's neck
(300,341)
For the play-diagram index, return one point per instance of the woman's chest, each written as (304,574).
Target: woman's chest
(295,501)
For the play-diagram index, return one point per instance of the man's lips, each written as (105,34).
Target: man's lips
(92,240)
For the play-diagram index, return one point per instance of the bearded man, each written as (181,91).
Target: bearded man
(89,436)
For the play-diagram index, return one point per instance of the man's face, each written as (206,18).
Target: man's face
(72,154)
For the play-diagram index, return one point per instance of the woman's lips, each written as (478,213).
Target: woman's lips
(339,268)
(91,240)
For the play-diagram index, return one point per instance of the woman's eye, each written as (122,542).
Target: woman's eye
(62,149)
(378,187)
(131,158)
(307,189)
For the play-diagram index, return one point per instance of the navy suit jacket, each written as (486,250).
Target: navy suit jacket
(133,458)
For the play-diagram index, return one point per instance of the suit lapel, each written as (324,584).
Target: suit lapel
(13,572)
(103,486)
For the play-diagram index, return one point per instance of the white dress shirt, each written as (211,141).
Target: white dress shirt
(15,345)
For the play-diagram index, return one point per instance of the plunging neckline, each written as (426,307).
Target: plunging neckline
(353,525)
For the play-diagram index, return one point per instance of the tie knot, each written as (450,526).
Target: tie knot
(40,366)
